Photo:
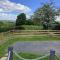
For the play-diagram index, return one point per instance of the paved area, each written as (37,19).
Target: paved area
(39,47)
(5,57)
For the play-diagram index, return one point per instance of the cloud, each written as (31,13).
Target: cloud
(7,6)
(1,10)
(58,18)
(5,16)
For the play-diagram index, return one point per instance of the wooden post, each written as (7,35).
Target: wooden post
(10,53)
(52,54)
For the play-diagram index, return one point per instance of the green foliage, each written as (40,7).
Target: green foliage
(21,18)
(45,14)
(32,27)
(6,26)
(56,26)
(29,22)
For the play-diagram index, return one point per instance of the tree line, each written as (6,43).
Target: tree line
(44,15)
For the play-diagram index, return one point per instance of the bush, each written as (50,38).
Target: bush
(29,22)
(6,26)
(56,26)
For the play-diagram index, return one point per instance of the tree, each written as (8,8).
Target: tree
(56,26)
(45,14)
(29,22)
(21,18)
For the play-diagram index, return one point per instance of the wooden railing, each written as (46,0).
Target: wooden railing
(36,32)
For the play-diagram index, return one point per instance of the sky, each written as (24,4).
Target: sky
(9,9)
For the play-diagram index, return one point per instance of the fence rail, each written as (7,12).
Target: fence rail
(36,32)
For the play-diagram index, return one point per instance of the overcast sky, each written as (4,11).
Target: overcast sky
(9,9)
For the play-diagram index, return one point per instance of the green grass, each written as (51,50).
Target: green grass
(6,25)
(11,39)
(31,56)
(26,56)
(32,27)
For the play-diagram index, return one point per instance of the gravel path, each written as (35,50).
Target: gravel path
(39,47)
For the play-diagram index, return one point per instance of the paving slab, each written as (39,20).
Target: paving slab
(38,47)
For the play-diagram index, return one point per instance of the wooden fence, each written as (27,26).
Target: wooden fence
(36,32)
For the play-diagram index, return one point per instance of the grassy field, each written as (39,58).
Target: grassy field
(31,56)
(32,27)
(26,56)
(7,40)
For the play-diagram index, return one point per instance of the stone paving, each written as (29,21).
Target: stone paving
(39,47)
(5,57)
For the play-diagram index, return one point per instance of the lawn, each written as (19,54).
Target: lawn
(25,56)
(9,39)
(30,56)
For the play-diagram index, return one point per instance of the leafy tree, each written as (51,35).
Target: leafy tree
(6,26)
(29,22)
(45,15)
(21,18)
(56,26)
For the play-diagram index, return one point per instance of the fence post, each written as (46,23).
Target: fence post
(52,54)
(10,53)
